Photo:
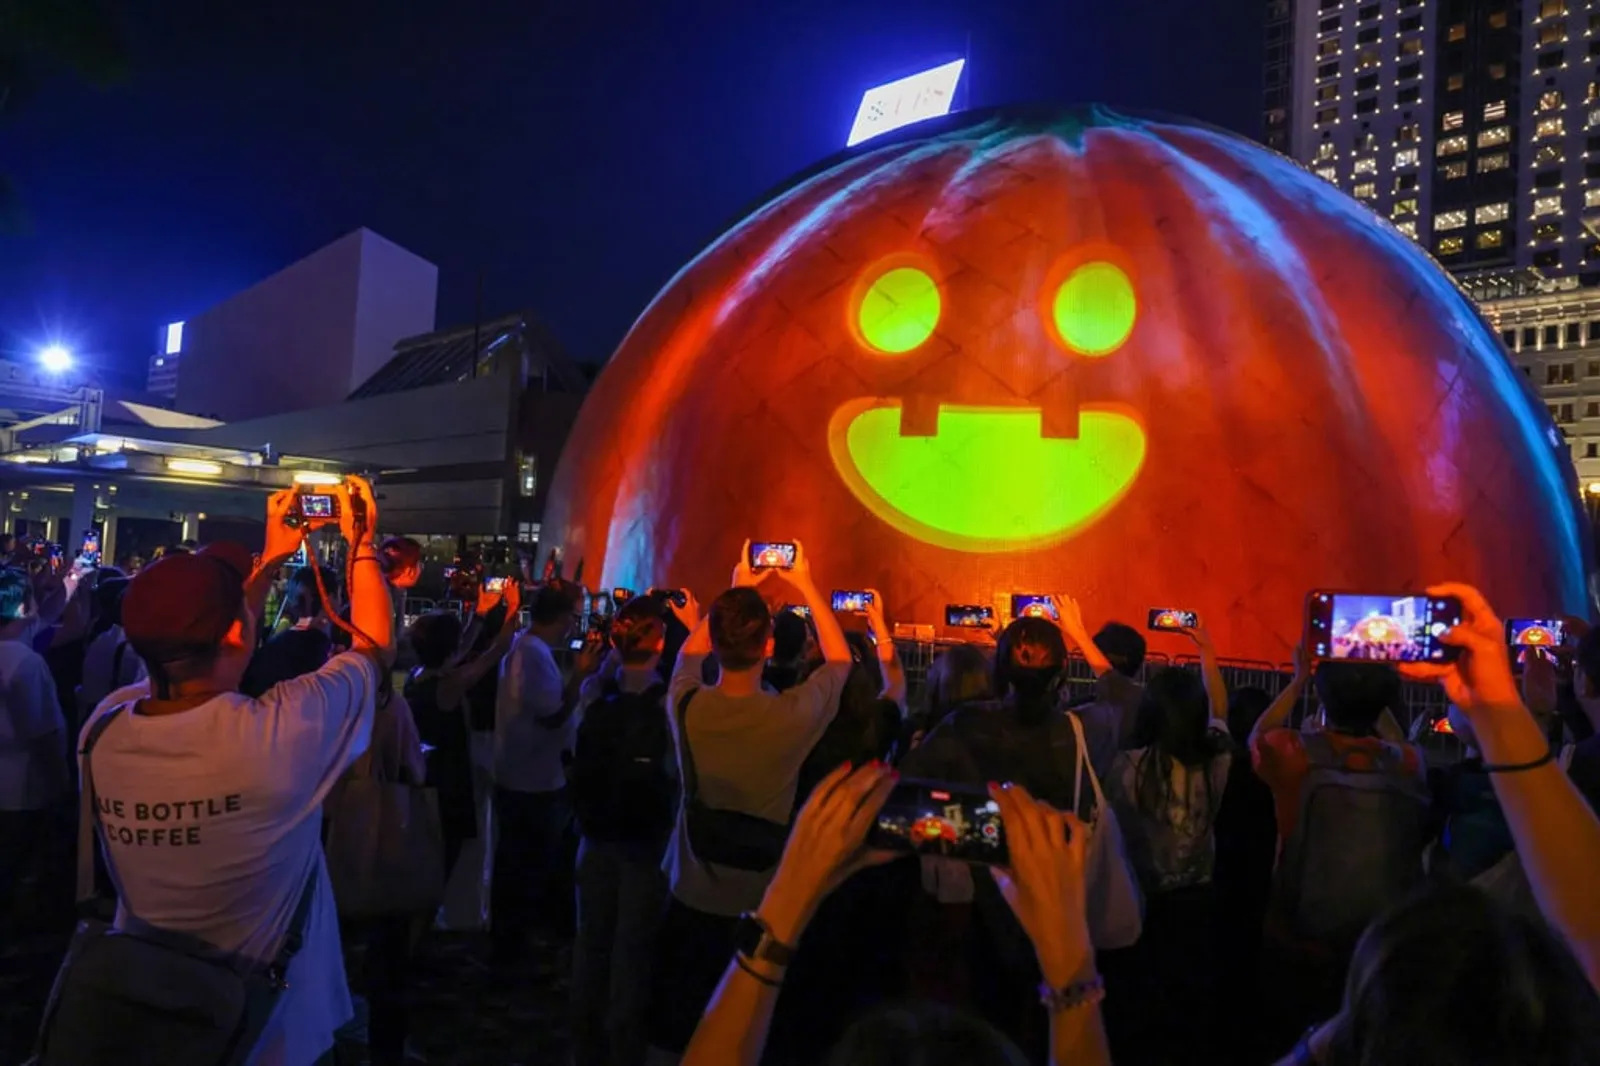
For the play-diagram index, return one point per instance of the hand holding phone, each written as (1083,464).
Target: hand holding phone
(1170,618)
(773,555)
(847,601)
(1395,628)
(968,616)
(1045,886)
(1034,605)
(940,818)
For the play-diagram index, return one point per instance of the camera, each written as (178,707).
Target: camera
(676,597)
(313,510)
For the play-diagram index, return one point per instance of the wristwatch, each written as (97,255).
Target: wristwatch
(754,940)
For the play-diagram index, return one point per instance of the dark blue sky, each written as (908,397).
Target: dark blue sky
(575,154)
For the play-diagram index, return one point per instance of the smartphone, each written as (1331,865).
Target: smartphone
(936,818)
(89,555)
(775,555)
(968,616)
(495,584)
(1536,632)
(1381,628)
(450,573)
(800,609)
(576,643)
(620,596)
(851,602)
(1030,605)
(1171,618)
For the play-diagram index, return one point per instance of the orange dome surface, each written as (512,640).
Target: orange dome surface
(1139,360)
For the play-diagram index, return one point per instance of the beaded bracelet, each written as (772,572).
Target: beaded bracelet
(1078,994)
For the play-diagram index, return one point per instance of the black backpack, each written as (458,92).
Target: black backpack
(619,780)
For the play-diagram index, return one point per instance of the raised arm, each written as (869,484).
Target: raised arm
(371,612)
(894,673)
(1070,617)
(1556,832)
(461,678)
(1046,889)
(830,638)
(1277,714)
(1211,670)
(824,849)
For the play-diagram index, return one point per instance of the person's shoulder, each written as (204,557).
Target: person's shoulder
(1280,741)
(18,655)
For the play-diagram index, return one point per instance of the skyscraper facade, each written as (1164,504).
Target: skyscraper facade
(1474,127)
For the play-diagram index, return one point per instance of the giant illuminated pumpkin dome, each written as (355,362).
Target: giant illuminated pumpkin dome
(1141,360)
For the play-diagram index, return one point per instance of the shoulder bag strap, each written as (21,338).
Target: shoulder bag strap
(691,780)
(1085,769)
(89,807)
(278,969)
(116,666)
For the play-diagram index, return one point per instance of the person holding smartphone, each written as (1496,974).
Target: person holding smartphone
(745,746)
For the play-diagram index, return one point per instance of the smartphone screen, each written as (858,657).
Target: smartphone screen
(1031,605)
(575,644)
(968,616)
(800,609)
(316,505)
(851,602)
(494,584)
(1535,632)
(934,818)
(1170,618)
(775,555)
(1380,628)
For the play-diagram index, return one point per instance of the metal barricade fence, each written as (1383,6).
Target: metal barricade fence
(1420,701)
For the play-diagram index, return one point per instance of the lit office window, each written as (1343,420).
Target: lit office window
(1328,174)
(1549,100)
(1452,145)
(1326,150)
(1546,205)
(1450,219)
(527,474)
(1451,245)
(1405,157)
(1409,228)
(1548,127)
(1496,136)
(1453,120)
(1491,213)
(1493,161)
(1494,111)
(1402,208)
(1366,166)
(1365,191)
(1491,238)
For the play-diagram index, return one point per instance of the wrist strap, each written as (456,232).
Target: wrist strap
(770,982)
(1518,767)
(1077,994)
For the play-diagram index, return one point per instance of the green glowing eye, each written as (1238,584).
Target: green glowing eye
(899,310)
(1094,309)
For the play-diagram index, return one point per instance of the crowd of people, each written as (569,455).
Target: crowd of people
(698,799)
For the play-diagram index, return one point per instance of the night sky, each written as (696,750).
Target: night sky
(576,155)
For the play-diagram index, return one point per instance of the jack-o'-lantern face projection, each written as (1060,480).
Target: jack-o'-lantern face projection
(926,464)
(1142,361)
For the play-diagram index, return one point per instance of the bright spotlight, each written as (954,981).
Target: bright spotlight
(55,359)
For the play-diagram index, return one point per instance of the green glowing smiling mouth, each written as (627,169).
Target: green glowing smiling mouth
(988,480)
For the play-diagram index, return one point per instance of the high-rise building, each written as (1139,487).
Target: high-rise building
(162,378)
(1474,126)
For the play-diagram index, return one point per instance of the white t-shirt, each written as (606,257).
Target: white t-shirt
(527,755)
(213,823)
(748,751)
(33,732)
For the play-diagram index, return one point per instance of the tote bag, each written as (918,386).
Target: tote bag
(385,847)
(1115,902)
